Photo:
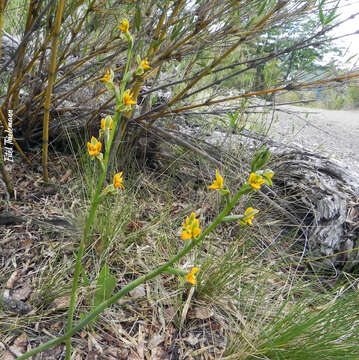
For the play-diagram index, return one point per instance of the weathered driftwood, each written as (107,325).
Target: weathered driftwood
(325,196)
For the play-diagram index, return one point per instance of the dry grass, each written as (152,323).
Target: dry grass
(249,276)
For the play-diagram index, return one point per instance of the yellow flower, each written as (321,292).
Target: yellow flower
(94,147)
(248,218)
(190,277)
(189,219)
(268,174)
(145,65)
(191,229)
(218,183)
(124,26)
(107,77)
(118,180)
(106,123)
(128,98)
(255,181)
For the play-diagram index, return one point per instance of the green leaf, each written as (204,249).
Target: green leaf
(332,15)
(232,218)
(176,30)
(233,118)
(326,19)
(162,8)
(106,284)
(85,278)
(261,9)
(260,159)
(157,43)
(250,22)
(138,18)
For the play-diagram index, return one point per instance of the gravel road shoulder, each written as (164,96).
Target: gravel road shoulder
(331,132)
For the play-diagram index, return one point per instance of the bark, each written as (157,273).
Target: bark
(325,197)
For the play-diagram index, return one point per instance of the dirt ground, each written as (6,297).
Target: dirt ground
(331,132)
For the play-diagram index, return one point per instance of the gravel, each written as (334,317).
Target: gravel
(334,133)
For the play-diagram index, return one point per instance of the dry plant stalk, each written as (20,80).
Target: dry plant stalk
(51,80)
(249,94)
(2,10)
(170,34)
(3,170)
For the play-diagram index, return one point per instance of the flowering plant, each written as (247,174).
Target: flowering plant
(191,231)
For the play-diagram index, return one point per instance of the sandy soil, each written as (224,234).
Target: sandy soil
(334,133)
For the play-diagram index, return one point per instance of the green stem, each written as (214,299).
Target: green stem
(124,79)
(228,199)
(100,308)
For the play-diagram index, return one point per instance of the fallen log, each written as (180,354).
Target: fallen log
(325,197)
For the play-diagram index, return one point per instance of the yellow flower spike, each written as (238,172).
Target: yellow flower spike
(145,65)
(189,220)
(218,183)
(190,277)
(94,147)
(118,180)
(124,26)
(106,123)
(107,77)
(191,229)
(255,181)
(128,98)
(248,218)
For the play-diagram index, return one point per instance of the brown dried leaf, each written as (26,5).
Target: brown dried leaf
(158,354)
(60,303)
(13,278)
(22,293)
(133,226)
(201,313)
(169,313)
(26,243)
(66,176)
(7,356)
(156,340)
(18,348)
(21,342)
(138,292)
(191,339)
